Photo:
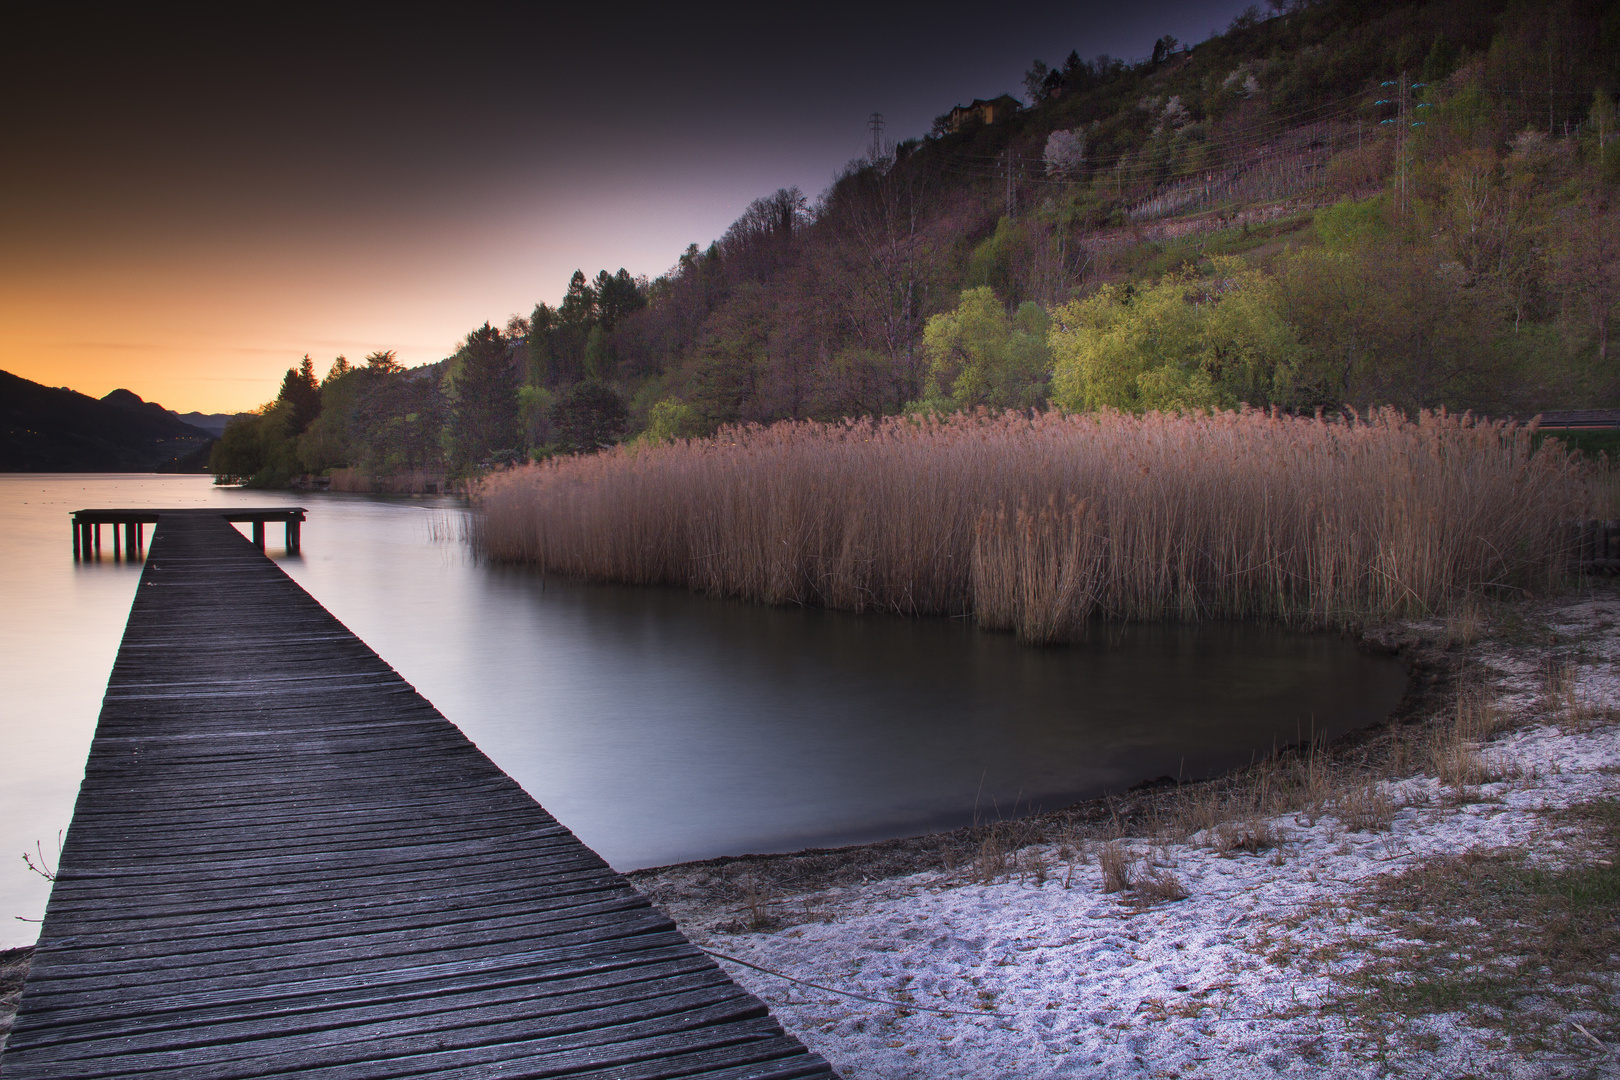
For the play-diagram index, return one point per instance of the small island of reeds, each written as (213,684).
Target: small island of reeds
(1039,523)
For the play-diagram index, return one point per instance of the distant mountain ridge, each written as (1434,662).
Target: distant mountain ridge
(54,429)
(214,423)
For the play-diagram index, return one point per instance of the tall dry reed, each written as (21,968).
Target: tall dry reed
(1038,523)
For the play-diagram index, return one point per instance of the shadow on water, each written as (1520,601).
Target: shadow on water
(698,727)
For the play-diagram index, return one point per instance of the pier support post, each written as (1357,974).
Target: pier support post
(76,528)
(292,537)
(97,528)
(129,538)
(117,552)
(258,534)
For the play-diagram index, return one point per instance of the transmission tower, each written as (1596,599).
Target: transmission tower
(874,123)
(1404,124)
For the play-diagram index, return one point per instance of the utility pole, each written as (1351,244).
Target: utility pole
(875,124)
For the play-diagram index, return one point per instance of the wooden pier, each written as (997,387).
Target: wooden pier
(283,859)
(87,527)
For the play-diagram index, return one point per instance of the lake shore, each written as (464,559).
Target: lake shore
(1390,904)
(1292,918)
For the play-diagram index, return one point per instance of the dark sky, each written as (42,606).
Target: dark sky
(188,204)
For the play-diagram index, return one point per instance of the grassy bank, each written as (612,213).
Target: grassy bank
(1036,524)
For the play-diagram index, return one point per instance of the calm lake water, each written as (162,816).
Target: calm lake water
(658,725)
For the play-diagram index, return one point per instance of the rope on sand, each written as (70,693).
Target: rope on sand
(915,1007)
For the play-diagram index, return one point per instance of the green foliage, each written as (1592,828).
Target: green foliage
(378,419)
(617,296)
(1390,324)
(978,355)
(671,419)
(300,396)
(484,400)
(328,443)
(534,409)
(1348,225)
(256,449)
(382,362)
(600,363)
(991,261)
(1183,343)
(587,417)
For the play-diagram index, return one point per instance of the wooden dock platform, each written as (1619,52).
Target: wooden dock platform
(283,859)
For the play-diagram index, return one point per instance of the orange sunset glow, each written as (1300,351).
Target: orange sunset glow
(190,207)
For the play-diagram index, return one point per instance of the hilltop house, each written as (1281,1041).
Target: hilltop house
(984,112)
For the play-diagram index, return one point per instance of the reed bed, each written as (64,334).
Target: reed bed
(1039,524)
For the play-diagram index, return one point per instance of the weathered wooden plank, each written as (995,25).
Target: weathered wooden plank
(539,877)
(284,859)
(451,1018)
(364,1003)
(401,983)
(204,921)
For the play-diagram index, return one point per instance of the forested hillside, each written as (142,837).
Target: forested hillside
(54,429)
(1341,204)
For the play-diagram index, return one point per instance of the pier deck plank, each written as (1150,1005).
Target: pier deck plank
(284,859)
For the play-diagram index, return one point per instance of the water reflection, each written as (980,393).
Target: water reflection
(663,726)
(667,726)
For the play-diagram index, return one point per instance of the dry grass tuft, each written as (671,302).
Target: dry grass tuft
(1158,886)
(1116,864)
(1251,837)
(758,905)
(1455,750)
(990,864)
(1563,699)
(1456,764)
(1365,808)
(1465,624)
(1005,849)
(1036,523)
(1478,717)
(1147,884)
